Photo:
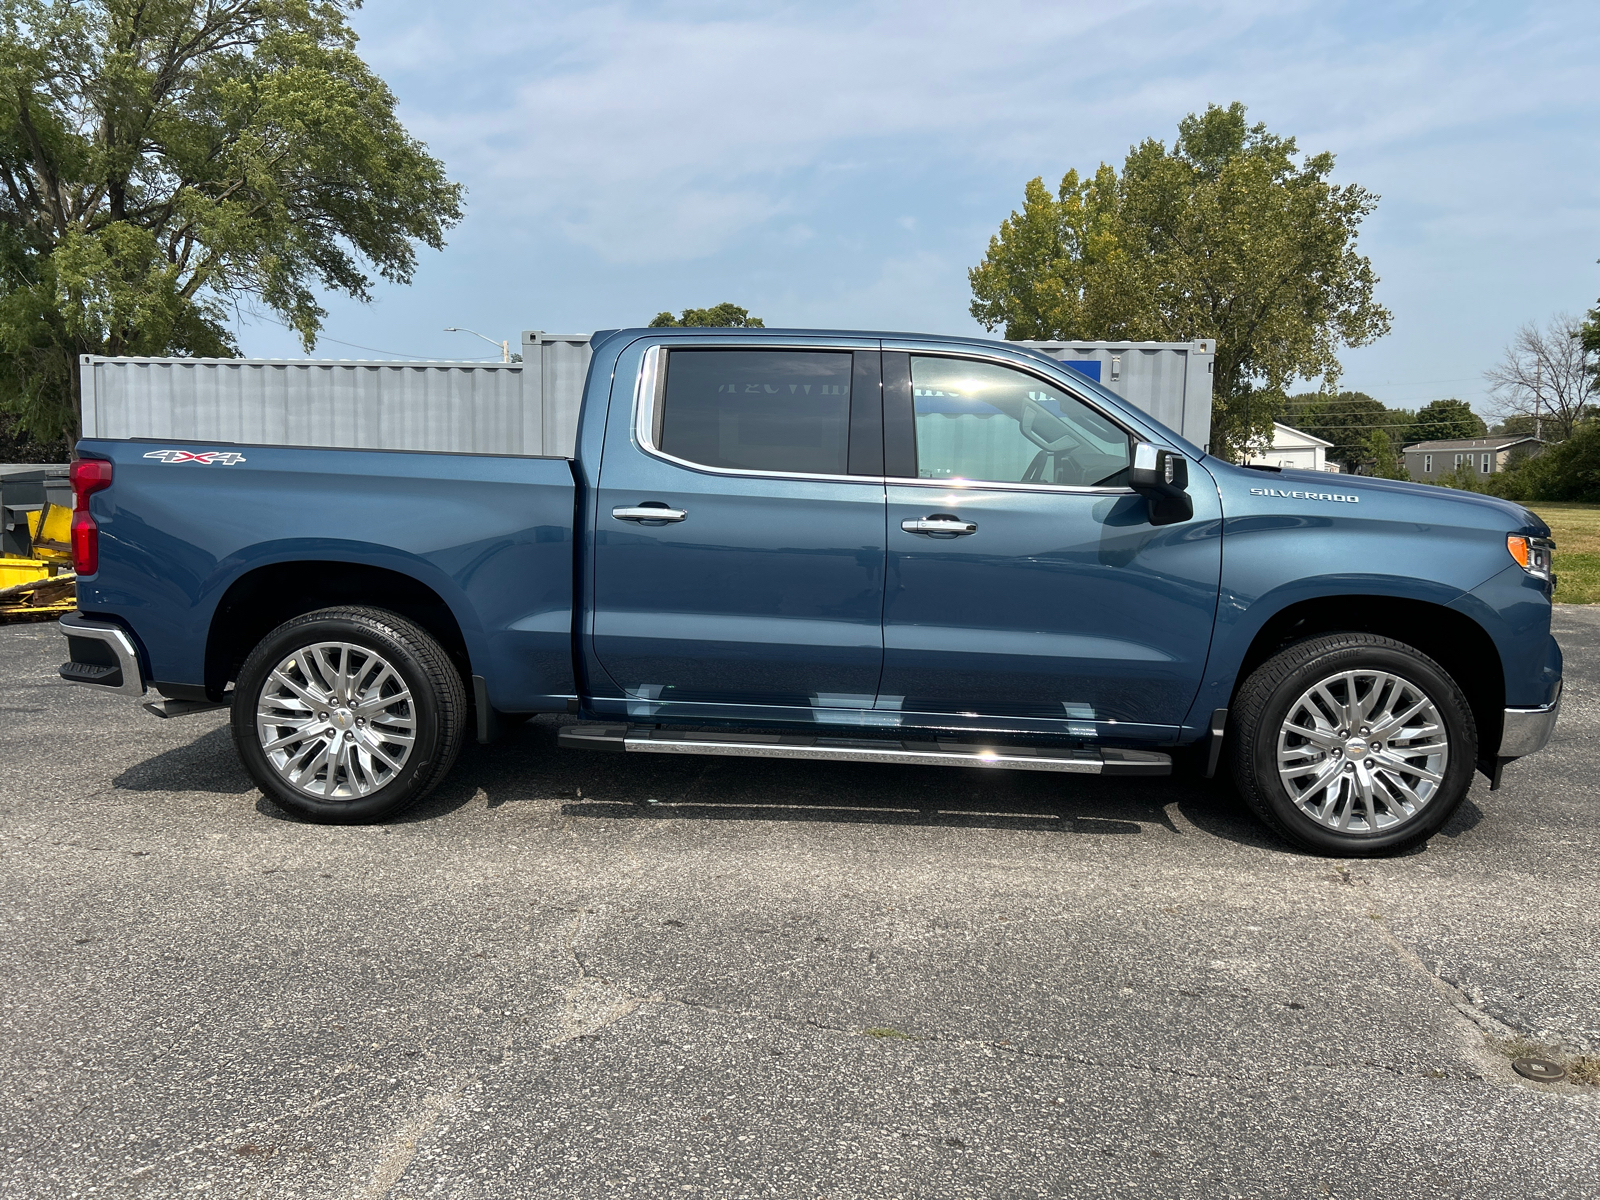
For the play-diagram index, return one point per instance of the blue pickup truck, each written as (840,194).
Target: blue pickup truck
(833,546)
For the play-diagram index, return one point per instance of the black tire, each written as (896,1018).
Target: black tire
(436,707)
(1263,707)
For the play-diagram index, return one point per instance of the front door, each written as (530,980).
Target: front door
(759,590)
(1026,587)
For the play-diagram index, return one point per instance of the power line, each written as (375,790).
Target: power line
(400,354)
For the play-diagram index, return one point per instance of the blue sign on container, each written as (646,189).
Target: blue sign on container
(1084,366)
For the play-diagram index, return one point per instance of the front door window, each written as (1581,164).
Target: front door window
(981,422)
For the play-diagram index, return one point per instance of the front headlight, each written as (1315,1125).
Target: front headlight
(1533,555)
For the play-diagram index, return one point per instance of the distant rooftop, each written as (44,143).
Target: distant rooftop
(1497,441)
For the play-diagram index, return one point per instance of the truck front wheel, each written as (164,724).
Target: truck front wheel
(1352,744)
(348,714)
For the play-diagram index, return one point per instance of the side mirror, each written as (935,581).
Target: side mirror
(1162,478)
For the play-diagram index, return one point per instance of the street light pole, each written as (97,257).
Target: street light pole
(505,347)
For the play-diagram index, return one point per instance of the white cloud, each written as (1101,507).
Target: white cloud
(828,161)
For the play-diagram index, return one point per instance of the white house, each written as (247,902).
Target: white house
(1295,449)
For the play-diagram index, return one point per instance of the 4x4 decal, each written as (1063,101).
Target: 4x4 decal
(226,457)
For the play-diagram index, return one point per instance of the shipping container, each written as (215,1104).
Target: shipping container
(1169,380)
(529,407)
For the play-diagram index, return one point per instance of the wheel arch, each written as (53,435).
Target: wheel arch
(1461,646)
(264,597)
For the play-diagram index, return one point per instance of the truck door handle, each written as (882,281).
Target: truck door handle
(647,512)
(939,523)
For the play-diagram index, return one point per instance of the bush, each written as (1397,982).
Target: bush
(1569,470)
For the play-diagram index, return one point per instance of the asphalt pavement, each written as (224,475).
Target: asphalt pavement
(589,975)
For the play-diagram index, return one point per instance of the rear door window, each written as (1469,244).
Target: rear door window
(758,410)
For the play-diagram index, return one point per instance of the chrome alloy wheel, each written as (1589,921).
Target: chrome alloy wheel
(336,721)
(1362,751)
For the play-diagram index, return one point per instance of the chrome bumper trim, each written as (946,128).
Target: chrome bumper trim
(129,679)
(1526,730)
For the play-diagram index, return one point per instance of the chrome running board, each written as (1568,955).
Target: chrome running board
(637,739)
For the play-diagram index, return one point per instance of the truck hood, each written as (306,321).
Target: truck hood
(1518,519)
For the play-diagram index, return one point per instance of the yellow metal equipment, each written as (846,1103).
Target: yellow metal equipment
(40,587)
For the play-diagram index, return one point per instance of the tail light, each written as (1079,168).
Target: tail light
(88,475)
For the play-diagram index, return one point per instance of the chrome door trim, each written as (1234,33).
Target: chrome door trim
(985,485)
(650,384)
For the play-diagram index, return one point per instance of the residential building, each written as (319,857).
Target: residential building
(1427,461)
(1295,449)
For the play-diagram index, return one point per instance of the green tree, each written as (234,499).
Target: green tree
(1221,237)
(1521,426)
(1446,420)
(1569,470)
(164,160)
(720,316)
(1348,420)
(1589,339)
(1383,461)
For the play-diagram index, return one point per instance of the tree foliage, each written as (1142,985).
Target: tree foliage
(1546,374)
(719,316)
(1224,237)
(1569,470)
(1521,426)
(1589,339)
(1383,459)
(1346,419)
(1445,420)
(161,160)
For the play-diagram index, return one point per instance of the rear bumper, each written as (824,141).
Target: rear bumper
(102,656)
(1526,730)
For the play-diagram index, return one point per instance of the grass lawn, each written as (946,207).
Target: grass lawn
(1576,528)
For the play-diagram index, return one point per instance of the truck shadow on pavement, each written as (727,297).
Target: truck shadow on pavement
(526,766)
(207,764)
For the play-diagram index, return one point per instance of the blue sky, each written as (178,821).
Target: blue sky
(844,165)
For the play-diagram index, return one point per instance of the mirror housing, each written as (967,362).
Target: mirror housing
(1162,478)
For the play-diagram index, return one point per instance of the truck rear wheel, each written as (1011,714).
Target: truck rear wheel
(348,715)
(1352,744)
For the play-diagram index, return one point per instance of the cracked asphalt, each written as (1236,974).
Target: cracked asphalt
(581,975)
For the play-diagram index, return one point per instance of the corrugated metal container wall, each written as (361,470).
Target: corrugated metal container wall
(482,408)
(472,408)
(1169,380)
(563,366)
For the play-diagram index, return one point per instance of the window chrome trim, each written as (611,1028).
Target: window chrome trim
(650,388)
(1000,485)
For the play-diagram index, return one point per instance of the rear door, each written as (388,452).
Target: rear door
(1026,586)
(758,591)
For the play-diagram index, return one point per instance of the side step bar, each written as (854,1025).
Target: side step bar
(649,740)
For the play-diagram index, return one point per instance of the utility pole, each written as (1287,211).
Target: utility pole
(1538,387)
